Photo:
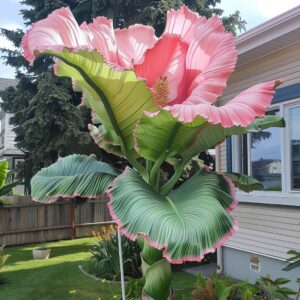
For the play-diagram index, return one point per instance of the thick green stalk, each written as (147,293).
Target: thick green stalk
(156,168)
(173,180)
(109,111)
(156,272)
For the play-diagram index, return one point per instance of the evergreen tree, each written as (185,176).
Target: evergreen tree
(47,121)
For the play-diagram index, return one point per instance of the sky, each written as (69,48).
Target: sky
(254,12)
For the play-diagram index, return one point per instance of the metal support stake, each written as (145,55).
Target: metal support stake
(121,265)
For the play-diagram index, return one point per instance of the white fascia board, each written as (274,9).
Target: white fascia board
(269,30)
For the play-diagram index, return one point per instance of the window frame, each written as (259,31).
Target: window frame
(286,196)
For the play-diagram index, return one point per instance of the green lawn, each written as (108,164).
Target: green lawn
(59,277)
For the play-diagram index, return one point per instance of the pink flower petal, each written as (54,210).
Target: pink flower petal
(240,111)
(182,23)
(133,42)
(102,36)
(58,31)
(166,59)
(211,59)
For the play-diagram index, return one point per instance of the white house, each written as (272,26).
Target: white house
(269,220)
(8,149)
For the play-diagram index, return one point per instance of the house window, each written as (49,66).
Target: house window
(272,156)
(265,156)
(294,138)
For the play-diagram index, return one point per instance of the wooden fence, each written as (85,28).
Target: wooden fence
(25,222)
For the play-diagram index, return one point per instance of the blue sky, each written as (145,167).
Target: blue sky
(254,11)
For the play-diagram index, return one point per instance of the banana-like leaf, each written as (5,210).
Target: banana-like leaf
(293,261)
(6,189)
(244,182)
(153,133)
(3,172)
(72,176)
(189,222)
(98,135)
(266,122)
(212,135)
(118,97)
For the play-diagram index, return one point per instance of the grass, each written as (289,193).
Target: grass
(59,277)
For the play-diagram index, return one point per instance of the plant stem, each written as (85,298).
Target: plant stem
(109,111)
(172,181)
(157,273)
(164,155)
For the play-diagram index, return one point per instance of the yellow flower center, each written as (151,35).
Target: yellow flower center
(160,91)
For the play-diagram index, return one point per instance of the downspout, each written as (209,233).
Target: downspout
(219,250)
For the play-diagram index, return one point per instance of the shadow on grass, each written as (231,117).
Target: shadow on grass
(51,282)
(61,248)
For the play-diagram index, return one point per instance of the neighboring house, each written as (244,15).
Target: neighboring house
(8,149)
(269,220)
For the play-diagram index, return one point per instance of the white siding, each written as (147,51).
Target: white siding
(283,65)
(269,230)
(266,230)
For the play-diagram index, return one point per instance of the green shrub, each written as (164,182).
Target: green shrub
(223,288)
(104,262)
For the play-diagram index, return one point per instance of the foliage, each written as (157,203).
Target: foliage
(274,288)
(223,288)
(67,178)
(153,108)
(134,289)
(5,188)
(293,262)
(105,263)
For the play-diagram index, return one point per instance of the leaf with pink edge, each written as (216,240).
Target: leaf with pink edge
(72,176)
(189,222)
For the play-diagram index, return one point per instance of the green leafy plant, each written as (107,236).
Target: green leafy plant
(5,188)
(152,108)
(293,262)
(274,288)
(134,289)
(104,262)
(223,288)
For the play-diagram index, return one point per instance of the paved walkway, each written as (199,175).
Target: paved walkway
(206,270)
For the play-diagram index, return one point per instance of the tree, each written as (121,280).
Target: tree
(62,133)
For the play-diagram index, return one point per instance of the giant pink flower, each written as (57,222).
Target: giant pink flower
(186,68)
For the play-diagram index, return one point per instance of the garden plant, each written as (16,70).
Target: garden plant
(154,102)
(224,288)
(104,262)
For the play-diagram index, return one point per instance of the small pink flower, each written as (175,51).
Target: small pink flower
(186,68)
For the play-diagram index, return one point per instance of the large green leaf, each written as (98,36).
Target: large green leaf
(3,172)
(98,135)
(152,135)
(266,122)
(72,176)
(212,135)
(187,223)
(244,182)
(118,97)
(293,261)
